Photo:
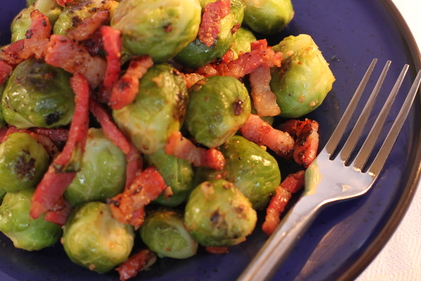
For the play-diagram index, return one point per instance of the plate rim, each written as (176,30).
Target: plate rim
(413,180)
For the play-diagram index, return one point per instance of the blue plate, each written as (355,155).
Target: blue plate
(346,236)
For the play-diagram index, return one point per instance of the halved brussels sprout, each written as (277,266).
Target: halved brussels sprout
(78,10)
(103,171)
(218,107)
(38,95)
(177,173)
(159,28)
(268,16)
(158,110)
(304,78)
(22,21)
(165,234)
(17,224)
(218,214)
(93,239)
(23,162)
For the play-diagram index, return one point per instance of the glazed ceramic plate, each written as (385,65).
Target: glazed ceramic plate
(346,236)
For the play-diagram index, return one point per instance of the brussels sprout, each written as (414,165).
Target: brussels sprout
(103,171)
(23,162)
(2,121)
(93,239)
(157,111)
(218,107)
(252,169)
(165,234)
(218,214)
(78,10)
(304,79)
(165,28)
(242,40)
(2,194)
(17,224)
(177,173)
(38,95)
(268,16)
(197,54)
(22,21)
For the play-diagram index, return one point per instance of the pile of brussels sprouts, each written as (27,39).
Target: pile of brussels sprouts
(208,207)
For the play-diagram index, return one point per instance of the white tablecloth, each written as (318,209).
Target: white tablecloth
(400,259)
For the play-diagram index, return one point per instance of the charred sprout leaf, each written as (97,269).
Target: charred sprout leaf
(197,54)
(23,162)
(218,214)
(23,21)
(102,174)
(165,28)
(93,239)
(177,173)
(38,95)
(304,79)
(78,10)
(165,234)
(268,16)
(218,107)
(17,224)
(157,111)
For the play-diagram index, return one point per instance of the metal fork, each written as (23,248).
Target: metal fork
(336,174)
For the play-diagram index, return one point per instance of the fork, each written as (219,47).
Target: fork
(336,174)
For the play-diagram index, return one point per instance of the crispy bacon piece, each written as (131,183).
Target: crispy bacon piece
(74,58)
(261,133)
(128,206)
(3,132)
(113,48)
(64,2)
(59,213)
(183,148)
(306,139)
(86,28)
(291,184)
(34,44)
(57,135)
(210,25)
(264,100)
(260,54)
(137,262)
(61,171)
(127,87)
(216,250)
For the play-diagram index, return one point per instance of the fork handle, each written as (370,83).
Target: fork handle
(283,240)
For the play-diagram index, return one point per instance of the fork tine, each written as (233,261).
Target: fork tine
(367,147)
(391,137)
(363,118)
(343,122)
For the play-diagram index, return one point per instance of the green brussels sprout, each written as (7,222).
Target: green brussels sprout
(268,16)
(78,10)
(165,28)
(16,223)
(165,234)
(2,194)
(2,121)
(304,79)
(218,107)
(218,214)
(22,21)
(23,162)
(103,171)
(93,239)
(38,95)
(252,169)
(242,40)
(157,111)
(197,54)
(177,173)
